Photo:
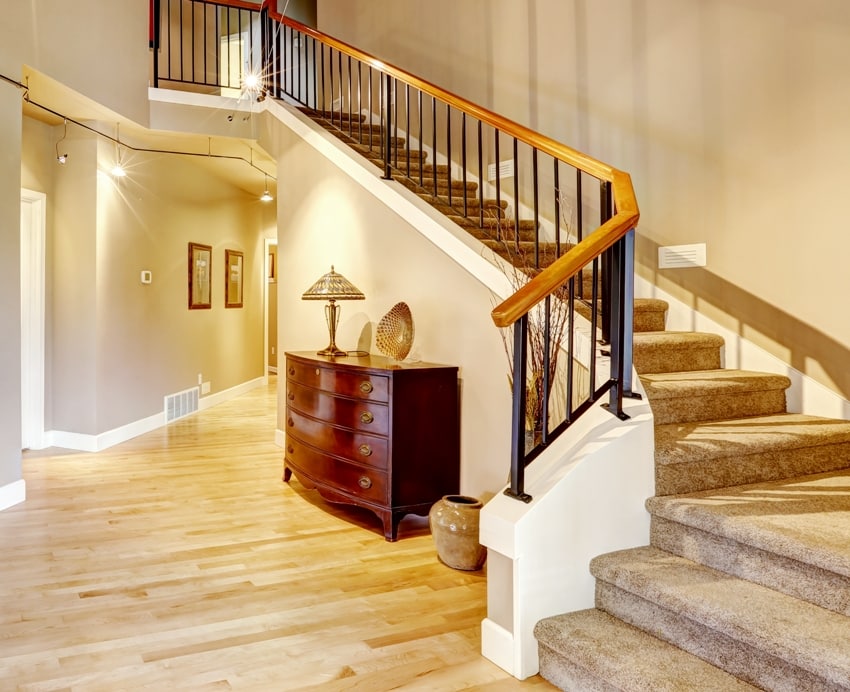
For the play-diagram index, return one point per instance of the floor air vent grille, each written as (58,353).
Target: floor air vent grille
(181,404)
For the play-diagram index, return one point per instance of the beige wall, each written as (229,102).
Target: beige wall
(325,218)
(98,49)
(730,116)
(116,346)
(10,287)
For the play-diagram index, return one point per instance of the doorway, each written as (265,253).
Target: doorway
(270,321)
(33,222)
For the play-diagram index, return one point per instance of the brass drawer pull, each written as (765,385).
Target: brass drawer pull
(364,482)
(366,387)
(291,371)
(290,422)
(366,417)
(290,449)
(366,450)
(291,396)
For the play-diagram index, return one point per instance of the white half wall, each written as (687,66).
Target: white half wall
(588,492)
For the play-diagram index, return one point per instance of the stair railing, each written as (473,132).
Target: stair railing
(564,227)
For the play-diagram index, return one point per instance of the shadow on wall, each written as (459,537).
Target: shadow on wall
(801,341)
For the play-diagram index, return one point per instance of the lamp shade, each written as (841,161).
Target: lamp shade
(333,286)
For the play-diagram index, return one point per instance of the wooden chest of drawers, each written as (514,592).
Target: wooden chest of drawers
(373,432)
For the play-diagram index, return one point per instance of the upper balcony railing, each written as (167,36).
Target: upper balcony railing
(559,222)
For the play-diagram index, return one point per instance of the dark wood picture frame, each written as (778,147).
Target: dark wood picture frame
(234,265)
(200,273)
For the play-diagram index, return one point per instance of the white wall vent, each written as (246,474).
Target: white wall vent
(681,256)
(506,170)
(181,404)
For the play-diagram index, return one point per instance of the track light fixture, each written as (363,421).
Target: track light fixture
(62,158)
(266,196)
(118,170)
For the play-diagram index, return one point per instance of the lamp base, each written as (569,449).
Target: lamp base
(331,350)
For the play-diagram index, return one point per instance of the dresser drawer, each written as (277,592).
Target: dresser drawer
(362,483)
(370,450)
(351,384)
(368,416)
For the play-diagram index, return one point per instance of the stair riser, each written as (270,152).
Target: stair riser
(566,675)
(721,472)
(806,582)
(716,407)
(736,657)
(657,360)
(649,321)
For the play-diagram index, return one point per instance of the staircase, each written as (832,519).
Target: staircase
(746,581)
(411,168)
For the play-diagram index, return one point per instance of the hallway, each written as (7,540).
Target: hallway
(179,560)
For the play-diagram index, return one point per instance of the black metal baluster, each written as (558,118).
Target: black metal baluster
(407,128)
(557,184)
(360,103)
(570,403)
(434,142)
(604,215)
(350,114)
(419,108)
(547,364)
(388,130)
(520,361)
(449,149)
(155,28)
(516,210)
(535,201)
(371,111)
(463,162)
(498,187)
(481,177)
(579,228)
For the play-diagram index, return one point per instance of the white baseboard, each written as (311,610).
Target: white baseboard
(12,494)
(220,397)
(96,443)
(279,438)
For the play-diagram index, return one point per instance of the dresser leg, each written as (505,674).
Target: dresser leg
(287,473)
(390,522)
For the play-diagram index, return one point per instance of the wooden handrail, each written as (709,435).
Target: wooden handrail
(575,259)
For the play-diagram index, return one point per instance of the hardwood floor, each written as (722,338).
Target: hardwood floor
(179,560)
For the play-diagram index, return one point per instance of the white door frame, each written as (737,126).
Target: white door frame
(268,243)
(33,223)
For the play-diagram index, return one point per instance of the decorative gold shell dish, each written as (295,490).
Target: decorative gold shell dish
(395,332)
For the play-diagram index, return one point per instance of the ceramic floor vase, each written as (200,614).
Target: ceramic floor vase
(454,525)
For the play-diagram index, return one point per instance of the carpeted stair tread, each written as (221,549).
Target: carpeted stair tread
(790,535)
(589,650)
(442,187)
(752,631)
(332,115)
(680,397)
(690,457)
(665,351)
(648,312)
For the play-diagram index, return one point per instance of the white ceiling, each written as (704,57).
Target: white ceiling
(238,160)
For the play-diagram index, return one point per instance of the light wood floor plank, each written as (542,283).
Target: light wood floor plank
(179,560)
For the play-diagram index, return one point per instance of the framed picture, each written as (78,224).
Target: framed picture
(233,263)
(200,284)
(271,258)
